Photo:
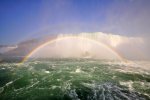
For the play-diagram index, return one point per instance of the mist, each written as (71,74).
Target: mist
(95,45)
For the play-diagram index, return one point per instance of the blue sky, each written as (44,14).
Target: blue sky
(22,19)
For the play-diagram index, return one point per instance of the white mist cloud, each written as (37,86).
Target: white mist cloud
(82,46)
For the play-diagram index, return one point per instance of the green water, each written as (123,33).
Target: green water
(72,79)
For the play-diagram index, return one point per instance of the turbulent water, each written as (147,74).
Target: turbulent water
(73,79)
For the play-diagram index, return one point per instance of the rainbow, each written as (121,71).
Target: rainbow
(111,49)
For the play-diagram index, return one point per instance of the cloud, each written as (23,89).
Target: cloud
(7,48)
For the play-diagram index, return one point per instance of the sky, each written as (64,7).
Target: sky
(123,24)
(23,19)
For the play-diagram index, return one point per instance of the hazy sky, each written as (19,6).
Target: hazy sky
(22,19)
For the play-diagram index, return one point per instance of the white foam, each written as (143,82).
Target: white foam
(47,72)
(128,84)
(78,70)
(7,84)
